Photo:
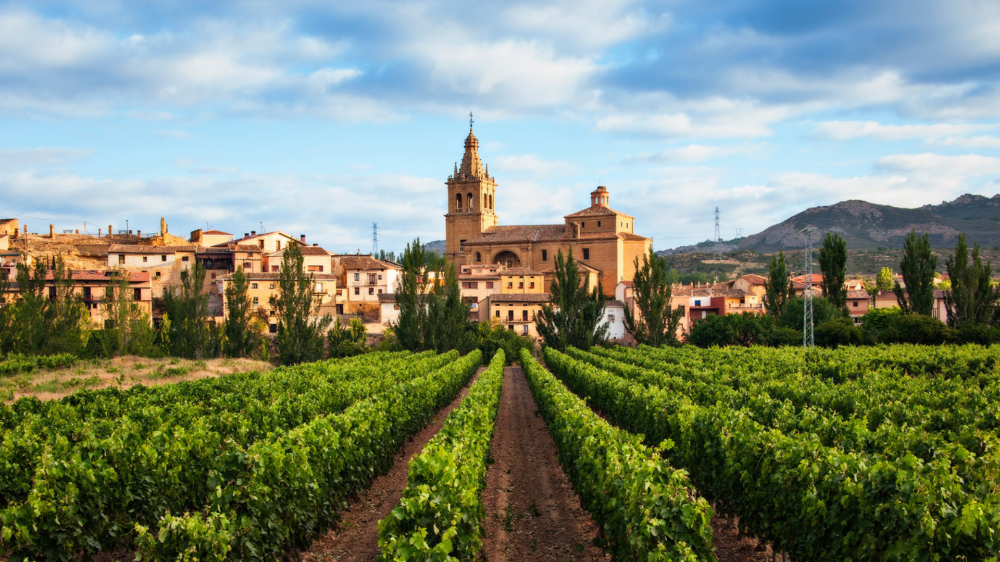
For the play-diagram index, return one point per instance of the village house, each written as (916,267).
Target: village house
(314,260)
(614,319)
(858,303)
(91,287)
(264,286)
(362,279)
(516,311)
(210,237)
(270,242)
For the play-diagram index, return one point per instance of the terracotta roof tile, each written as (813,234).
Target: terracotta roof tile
(598,211)
(615,303)
(138,249)
(273,276)
(216,233)
(365,263)
(521,297)
(520,271)
(314,251)
(858,294)
(754,279)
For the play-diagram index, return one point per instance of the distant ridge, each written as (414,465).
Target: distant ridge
(867,226)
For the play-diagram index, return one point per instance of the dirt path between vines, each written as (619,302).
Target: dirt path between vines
(356,538)
(532,512)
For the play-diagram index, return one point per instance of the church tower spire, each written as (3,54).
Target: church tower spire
(470,202)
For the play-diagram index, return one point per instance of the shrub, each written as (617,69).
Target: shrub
(836,333)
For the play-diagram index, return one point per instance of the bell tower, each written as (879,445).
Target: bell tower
(471,193)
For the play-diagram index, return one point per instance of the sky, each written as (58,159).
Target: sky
(321,118)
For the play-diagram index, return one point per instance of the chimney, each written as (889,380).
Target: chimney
(78,231)
(109,231)
(138,234)
(98,232)
(253,233)
(246,235)
(52,231)
(315,245)
(163,226)
(302,238)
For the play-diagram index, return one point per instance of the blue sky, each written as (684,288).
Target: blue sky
(320,118)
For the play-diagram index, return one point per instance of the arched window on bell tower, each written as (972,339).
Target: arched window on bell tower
(458,202)
(479,257)
(470,201)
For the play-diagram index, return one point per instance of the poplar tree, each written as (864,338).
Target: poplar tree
(833,265)
(128,329)
(657,323)
(243,338)
(573,317)
(917,267)
(779,286)
(972,298)
(300,333)
(432,315)
(187,308)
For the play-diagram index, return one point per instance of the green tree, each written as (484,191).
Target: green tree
(883,282)
(187,309)
(49,317)
(347,341)
(6,315)
(573,317)
(300,331)
(431,312)
(128,329)
(972,298)
(657,323)
(833,265)
(917,266)
(243,336)
(823,311)
(779,286)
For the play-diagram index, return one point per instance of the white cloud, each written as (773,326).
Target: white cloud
(531,164)
(936,132)
(692,153)
(42,156)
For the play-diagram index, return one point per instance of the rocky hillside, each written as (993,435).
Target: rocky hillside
(869,226)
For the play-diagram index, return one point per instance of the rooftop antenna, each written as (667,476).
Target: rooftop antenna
(374,239)
(808,336)
(717,252)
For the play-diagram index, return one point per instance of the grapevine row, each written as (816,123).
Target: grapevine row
(440,514)
(646,508)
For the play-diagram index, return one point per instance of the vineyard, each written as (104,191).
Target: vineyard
(885,453)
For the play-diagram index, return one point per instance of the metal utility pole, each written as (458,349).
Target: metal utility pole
(808,336)
(717,252)
(374,239)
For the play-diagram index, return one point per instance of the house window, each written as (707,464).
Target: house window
(357,290)
(275,269)
(137,294)
(380,291)
(371,291)
(697,303)
(524,329)
(213,275)
(278,245)
(86,292)
(520,285)
(271,314)
(121,259)
(255,301)
(598,223)
(545,255)
(511,327)
(316,268)
(497,314)
(380,277)
(272,328)
(395,307)
(611,318)
(510,315)
(489,284)
(586,253)
(253,285)
(144,259)
(479,257)
(371,278)
(855,304)
(261,242)
(163,258)
(357,277)
(186,258)
(510,284)
(532,286)
(319,287)
(157,275)
(524,315)
(272,286)
(246,265)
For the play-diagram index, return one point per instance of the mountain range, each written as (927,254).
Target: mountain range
(867,226)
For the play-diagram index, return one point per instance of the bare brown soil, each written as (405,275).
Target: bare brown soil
(532,512)
(356,538)
(730,546)
(121,372)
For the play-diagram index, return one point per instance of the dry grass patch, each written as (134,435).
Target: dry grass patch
(120,372)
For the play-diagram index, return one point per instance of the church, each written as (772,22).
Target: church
(600,237)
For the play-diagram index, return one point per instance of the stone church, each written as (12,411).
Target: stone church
(600,237)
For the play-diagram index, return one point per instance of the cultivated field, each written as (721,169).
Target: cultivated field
(651,454)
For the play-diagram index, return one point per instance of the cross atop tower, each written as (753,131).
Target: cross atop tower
(470,121)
